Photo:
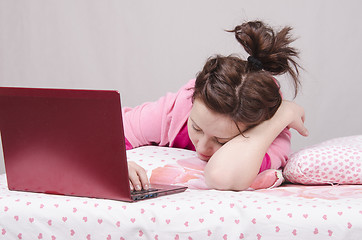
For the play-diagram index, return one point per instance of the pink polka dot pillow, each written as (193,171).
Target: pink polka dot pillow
(337,161)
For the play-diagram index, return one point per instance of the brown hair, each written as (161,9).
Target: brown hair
(246,90)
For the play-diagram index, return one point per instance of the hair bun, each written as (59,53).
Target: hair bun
(255,63)
(269,47)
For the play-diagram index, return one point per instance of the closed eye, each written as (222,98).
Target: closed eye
(196,128)
(223,141)
(220,143)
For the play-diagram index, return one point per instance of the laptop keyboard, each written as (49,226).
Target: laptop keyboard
(143,191)
(143,194)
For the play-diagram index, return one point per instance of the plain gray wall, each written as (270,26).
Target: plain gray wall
(146,48)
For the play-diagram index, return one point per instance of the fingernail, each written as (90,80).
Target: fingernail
(138,187)
(146,186)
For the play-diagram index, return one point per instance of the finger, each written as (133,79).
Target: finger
(133,177)
(303,118)
(131,185)
(138,176)
(303,130)
(144,179)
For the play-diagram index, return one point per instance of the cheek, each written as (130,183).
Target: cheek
(191,133)
(193,137)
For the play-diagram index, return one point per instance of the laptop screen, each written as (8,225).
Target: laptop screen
(67,142)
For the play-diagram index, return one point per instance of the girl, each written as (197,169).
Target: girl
(232,115)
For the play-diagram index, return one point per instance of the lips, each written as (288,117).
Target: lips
(204,157)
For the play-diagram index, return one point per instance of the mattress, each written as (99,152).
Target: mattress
(290,211)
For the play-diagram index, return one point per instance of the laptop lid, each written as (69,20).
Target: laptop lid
(68,142)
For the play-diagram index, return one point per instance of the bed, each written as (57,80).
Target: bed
(290,211)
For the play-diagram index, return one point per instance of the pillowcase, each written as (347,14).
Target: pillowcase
(336,161)
(165,165)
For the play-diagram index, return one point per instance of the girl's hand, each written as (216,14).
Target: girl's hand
(295,116)
(237,163)
(137,177)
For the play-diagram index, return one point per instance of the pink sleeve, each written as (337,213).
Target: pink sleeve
(142,124)
(279,150)
(157,122)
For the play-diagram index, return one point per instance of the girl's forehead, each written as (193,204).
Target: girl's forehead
(212,123)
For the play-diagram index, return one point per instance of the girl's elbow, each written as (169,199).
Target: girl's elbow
(220,180)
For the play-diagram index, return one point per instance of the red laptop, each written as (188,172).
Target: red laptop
(67,142)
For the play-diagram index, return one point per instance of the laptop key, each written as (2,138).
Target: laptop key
(143,191)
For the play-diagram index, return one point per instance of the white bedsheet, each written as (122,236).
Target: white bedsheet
(287,212)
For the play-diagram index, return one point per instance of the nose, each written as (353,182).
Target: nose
(204,145)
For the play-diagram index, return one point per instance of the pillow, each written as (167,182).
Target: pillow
(336,161)
(166,165)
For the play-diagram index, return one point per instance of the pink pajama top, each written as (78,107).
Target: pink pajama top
(164,123)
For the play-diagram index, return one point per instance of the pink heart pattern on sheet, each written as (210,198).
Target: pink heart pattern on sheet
(194,214)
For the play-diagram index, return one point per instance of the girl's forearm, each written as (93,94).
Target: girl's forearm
(237,163)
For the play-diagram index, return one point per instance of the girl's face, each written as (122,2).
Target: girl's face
(209,130)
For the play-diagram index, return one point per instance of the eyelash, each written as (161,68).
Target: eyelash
(199,130)
(196,129)
(220,143)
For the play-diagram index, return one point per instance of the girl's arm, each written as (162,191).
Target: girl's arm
(236,164)
(154,123)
